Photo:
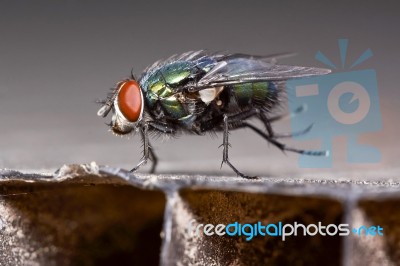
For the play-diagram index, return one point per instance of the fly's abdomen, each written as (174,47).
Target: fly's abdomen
(260,94)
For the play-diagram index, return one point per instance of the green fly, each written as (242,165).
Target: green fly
(197,92)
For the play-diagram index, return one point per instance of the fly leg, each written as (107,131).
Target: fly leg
(299,110)
(294,134)
(280,145)
(267,123)
(225,144)
(263,117)
(148,152)
(153,158)
(146,148)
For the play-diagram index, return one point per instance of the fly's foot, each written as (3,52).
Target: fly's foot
(142,162)
(226,146)
(148,153)
(237,171)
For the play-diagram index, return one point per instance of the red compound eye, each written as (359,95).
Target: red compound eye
(130,100)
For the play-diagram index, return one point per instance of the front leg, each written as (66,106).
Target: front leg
(148,152)
(225,144)
(146,147)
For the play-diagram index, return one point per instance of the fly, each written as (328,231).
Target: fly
(196,93)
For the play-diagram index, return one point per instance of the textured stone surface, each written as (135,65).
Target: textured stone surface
(83,219)
(210,206)
(86,215)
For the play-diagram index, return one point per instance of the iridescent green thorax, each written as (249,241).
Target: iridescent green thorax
(161,86)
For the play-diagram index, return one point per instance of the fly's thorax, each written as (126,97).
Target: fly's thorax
(175,107)
(161,83)
(161,90)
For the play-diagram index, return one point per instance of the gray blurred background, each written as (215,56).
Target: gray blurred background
(58,57)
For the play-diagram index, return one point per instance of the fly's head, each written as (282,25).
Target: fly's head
(126,102)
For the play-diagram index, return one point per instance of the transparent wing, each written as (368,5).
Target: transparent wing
(271,58)
(239,68)
(187,56)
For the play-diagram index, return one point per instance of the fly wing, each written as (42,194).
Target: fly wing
(239,68)
(271,58)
